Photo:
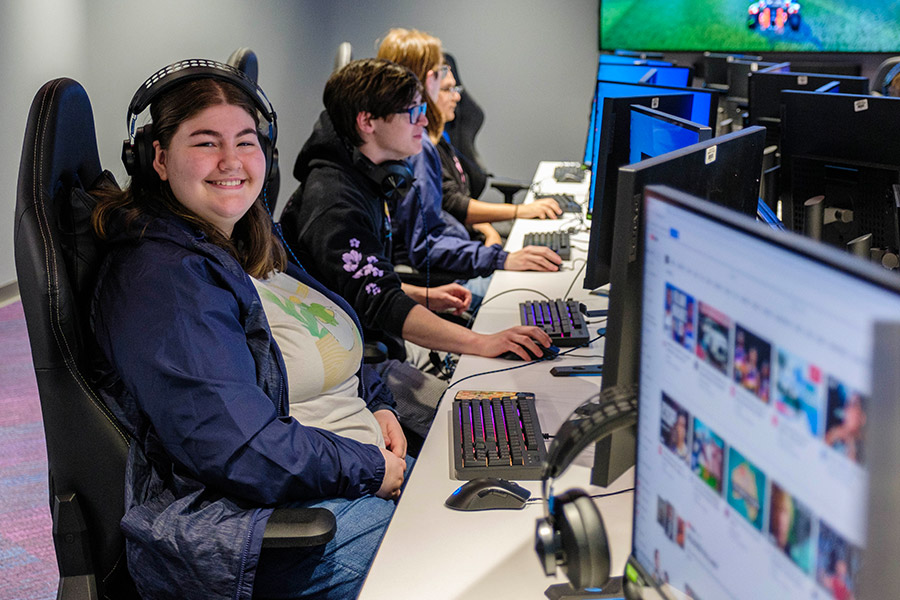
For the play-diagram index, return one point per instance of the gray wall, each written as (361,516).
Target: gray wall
(529,63)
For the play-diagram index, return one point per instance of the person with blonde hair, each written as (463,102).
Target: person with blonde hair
(438,192)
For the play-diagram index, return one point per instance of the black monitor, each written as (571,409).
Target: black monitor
(724,170)
(703,108)
(739,77)
(715,67)
(753,471)
(613,151)
(765,89)
(844,147)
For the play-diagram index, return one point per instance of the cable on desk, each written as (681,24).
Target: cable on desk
(594,496)
(574,279)
(497,295)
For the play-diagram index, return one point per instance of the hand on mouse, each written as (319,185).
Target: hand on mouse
(515,339)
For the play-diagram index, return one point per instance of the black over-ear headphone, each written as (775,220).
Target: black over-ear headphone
(571,535)
(394,178)
(137,150)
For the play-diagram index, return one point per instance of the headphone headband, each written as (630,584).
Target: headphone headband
(137,149)
(197,68)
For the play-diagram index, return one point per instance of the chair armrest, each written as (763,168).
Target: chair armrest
(299,527)
(374,352)
(509,188)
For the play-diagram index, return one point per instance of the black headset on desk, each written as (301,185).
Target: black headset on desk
(137,150)
(571,535)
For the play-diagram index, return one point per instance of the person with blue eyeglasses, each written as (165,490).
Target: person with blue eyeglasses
(353,171)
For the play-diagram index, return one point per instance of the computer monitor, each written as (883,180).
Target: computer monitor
(844,147)
(703,107)
(613,151)
(724,170)
(764,89)
(654,132)
(751,477)
(726,27)
(739,77)
(617,59)
(630,73)
(715,67)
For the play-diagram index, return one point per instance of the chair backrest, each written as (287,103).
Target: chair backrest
(343,56)
(245,60)
(462,131)
(56,261)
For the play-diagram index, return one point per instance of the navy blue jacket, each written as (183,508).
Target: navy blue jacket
(421,225)
(196,376)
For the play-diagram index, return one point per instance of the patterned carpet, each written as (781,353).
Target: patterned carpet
(27,561)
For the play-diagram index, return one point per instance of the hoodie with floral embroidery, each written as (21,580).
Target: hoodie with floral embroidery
(338,225)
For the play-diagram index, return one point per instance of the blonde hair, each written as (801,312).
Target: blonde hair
(420,52)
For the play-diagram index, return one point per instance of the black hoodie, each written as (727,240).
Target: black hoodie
(338,226)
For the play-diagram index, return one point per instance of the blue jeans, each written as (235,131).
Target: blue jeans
(337,569)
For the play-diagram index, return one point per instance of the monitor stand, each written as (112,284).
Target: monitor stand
(613,455)
(564,591)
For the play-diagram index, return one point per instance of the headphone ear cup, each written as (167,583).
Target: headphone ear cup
(396,180)
(138,156)
(583,541)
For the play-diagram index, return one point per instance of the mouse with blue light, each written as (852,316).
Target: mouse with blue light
(488,493)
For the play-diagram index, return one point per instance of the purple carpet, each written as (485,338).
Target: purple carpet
(27,561)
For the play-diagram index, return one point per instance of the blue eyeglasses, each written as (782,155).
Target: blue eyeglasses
(414,112)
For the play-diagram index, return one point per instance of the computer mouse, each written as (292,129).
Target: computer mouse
(549,352)
(487,493)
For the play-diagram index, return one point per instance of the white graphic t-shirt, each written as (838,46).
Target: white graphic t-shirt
(322,349)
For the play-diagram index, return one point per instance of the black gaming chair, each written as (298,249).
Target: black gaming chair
(462,131)
(245,60)
(56,260)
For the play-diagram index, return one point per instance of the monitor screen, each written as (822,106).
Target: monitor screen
(842,147)
(612,153)
(615,59)
(761,26)
(631,73)
(724,170)
(756,370)
(654,132)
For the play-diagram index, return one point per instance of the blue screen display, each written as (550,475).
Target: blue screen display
(651,136)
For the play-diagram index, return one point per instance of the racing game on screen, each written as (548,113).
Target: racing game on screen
(742,26)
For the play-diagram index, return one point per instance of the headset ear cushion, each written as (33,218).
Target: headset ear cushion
(396,180)
(583,540)
(138,157)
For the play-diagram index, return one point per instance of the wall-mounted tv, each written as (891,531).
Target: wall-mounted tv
(761,26)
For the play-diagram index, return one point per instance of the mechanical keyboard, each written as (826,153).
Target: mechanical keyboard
(558,241)
(566,202)
(496,434)
(568,174)
(562,320)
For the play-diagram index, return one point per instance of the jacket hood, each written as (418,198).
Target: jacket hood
(323,146)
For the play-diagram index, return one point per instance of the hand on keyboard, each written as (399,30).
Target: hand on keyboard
(533,258)
(541,208)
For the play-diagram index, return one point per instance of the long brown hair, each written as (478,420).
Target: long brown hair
(420,52)
(252,241)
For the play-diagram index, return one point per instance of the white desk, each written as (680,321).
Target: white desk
(433,552)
